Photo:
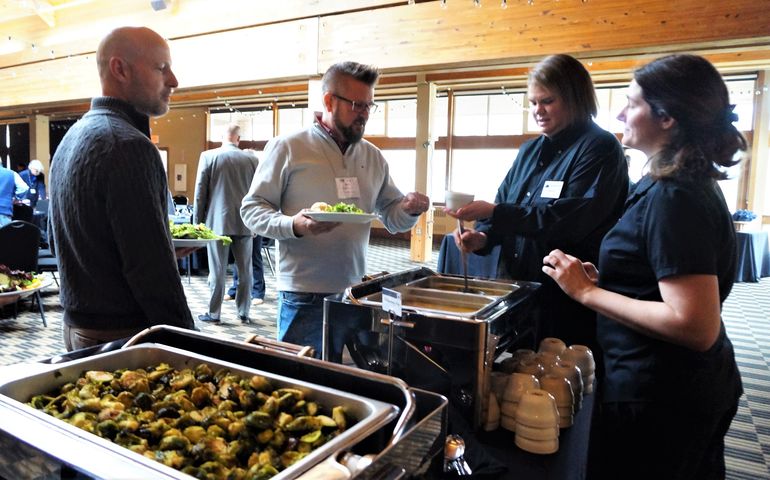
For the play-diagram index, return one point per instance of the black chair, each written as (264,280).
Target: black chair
(47,262)
(180,200)
(266,244)
(19,245)
(22,212)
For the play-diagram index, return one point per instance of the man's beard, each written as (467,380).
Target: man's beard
(348,132)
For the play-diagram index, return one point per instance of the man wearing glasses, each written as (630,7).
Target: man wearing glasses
(327,162)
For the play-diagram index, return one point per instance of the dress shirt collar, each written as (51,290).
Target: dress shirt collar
(139,120)
(567,137)
(341,143)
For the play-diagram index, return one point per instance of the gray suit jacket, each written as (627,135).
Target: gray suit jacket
(224,177)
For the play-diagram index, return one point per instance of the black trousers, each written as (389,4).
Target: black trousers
(655,441)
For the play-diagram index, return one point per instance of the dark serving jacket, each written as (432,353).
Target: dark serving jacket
(670,227)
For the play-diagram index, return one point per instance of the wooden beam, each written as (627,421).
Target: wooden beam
(760,157)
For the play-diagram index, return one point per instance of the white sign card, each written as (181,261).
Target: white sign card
(391,301)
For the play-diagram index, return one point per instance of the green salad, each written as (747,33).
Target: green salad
(200,231)
(345,208)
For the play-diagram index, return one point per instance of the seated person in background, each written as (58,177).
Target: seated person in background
(11,187)
(671,385)
(34,177)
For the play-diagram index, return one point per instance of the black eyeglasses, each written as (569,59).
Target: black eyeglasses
(358,107)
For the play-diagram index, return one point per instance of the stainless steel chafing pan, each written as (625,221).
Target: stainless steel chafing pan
(370,414)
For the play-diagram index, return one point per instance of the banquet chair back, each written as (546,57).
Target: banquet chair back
(19,246)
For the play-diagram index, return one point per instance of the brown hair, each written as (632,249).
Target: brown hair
(363,73)
(689,89)
(566,76)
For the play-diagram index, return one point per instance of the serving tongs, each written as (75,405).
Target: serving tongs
(463,256)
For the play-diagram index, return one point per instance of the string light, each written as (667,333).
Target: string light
(504,4)
(442,3)
(477,3)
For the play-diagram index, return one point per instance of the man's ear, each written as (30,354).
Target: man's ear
(119,69)
(327,99)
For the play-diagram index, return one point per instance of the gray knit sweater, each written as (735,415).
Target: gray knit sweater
(110,227)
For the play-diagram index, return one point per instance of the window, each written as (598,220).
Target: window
(255,125)
(292,119)
(402,168)
(482,182)
(402,118)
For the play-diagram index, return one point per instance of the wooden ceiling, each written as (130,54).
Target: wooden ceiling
(261,50)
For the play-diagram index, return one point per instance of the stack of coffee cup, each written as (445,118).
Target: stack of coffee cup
(570,371)
(518,385)
(537,421)
(561,390)
(584,359)
(492,417)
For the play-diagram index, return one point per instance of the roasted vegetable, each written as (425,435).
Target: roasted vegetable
(208,425)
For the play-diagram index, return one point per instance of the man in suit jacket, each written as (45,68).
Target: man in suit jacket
(224,177)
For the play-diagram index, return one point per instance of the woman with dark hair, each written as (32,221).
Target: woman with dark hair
(565,190)
(671,384)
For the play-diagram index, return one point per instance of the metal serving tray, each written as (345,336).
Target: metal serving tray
(370,414)
(486,288)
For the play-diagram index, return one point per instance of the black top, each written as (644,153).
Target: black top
(670,227)
(587,172)
(110,224)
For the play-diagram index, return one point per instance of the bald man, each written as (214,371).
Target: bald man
(109,201)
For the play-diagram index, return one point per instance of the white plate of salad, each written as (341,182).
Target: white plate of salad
(15,284)
(191,235)
(341,212)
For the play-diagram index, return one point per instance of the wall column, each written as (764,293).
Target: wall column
(39,140)
(757,191)
(422,233)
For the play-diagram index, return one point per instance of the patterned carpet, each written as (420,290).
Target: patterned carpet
(746,314)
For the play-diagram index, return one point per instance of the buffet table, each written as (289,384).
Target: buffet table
(753,256)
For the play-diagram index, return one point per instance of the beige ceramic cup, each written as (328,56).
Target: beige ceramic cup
(552,345)
(533,433)
(492,420)
(583,358)
(518,384)
(560,388)
(537,408)
(542,447)
(531,366)
(570,371)
(547,360)
(497,383)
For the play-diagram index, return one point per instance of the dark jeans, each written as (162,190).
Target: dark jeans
(258,289)
(300,321)
(638,440)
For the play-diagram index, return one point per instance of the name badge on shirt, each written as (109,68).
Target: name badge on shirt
(347,187)
(32,191)
(552,189)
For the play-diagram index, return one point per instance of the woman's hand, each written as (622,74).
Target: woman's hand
(473,211)
(469,240)
(576,278)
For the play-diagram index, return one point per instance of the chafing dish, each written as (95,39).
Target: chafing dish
(446,340)
(390,418)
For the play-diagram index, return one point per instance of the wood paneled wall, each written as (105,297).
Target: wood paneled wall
(247,41)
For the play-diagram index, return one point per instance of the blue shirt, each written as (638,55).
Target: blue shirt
(670,227)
